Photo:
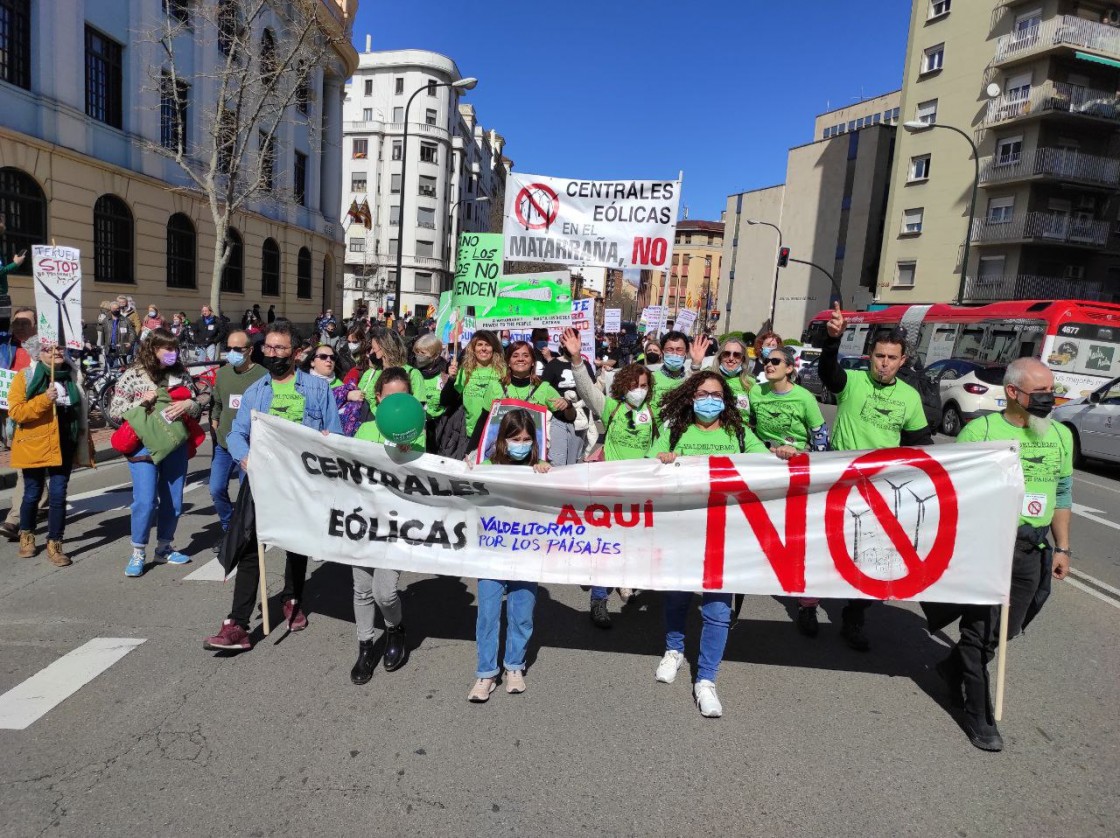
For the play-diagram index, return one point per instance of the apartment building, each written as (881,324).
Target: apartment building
(79,129)
(1034,85)
(829,212)
(694,271)
(454,173)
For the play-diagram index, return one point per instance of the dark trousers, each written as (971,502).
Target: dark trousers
(248,581)
(55,479)
(980,623)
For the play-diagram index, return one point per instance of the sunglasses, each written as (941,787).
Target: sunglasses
(731,354)
(322,356)
(775,361)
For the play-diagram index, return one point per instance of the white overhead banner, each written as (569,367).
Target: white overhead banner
(604,223)
(935,524)
(58,294)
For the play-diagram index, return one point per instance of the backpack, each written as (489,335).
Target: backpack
(929,392)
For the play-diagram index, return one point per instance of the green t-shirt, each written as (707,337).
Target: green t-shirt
(476,393)
(697,442)
(1045,459)
(368,383)
(286,402)
(871,415)
(542,394)
(629,432)
(742,393)
(662,385)
(371,433)
(430,389)
(782,417)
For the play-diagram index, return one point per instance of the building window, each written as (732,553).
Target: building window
(369,87)
(428,186)
(360,149)
(426,217)
(268,160)
(178,9)
(904,274)
(933,59)
(423,282)
(358,182)
(398,150)
(268,56)
(173,97)
(233,274)
(431,87)
(398,85)
(393,244)
(394,215)
(1001,210)
(430,116)
(912,221)
(181,252)
(395,184)
(15,42)
(927,112)
(357,245)
(990,270)
(103,78)
(424,248)
(299,174)
(937,8)
(1009,151)
(429,153)
(303,274)
(398,115)
(231,26)
(112,240)
(919,168)
(367,114)
(270,269)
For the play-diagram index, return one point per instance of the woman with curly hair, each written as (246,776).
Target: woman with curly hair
(483,365)
(700,420)
(157,490)
(764,342)
(732,360)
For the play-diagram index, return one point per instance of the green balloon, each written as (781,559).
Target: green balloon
(400,418)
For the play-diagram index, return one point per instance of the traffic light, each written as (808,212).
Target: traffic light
(783,257)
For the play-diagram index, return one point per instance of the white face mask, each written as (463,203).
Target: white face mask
(353,346)
(636,397)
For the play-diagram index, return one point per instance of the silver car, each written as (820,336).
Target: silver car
(1095,423)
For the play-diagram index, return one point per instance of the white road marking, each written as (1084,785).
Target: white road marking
(1098,485)
(22,705)
(1087,512)
(212,571)
(1092,592)
(1092,580)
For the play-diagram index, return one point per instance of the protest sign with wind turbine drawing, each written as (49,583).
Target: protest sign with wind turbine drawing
(58,294)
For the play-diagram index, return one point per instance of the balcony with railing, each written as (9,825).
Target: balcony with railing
(1054,98)
(994,289)
(1061,32)
(1048,227)
(1054,163)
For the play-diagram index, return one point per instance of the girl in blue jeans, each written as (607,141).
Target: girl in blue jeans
(516,446)
(157,490)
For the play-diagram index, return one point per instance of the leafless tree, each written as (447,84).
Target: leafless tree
(268,54)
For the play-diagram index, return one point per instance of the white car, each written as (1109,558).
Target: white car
(1095,423)
(969,390)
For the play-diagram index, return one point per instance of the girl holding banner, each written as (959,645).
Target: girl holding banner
(516,446)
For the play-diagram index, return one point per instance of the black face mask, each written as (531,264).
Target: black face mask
(277,367)
(653,357)
(1040,404)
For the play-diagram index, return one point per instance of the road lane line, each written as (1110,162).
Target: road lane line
(1092,580)
(22,705)
(1102,597)
(1087,512)
(212,571)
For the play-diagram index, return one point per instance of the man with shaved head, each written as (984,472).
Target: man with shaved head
(1046,454)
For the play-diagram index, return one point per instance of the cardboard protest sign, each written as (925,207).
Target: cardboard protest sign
(686,319)
(453,326)
(477,270)
(58,294)
(650,320)
(825,525)
(499,409)
(582,319)
(610,224)
(612,320)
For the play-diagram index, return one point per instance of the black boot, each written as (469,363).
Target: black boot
(600,616)
(851,628)
(396,650)
(982,732)
(364,666)
(952,674)
(807,622)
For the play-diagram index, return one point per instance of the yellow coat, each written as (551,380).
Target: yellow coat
(36,442)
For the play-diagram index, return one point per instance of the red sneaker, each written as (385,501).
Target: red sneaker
(295,617)
(232,638)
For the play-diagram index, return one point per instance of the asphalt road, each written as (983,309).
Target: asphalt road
(816,739)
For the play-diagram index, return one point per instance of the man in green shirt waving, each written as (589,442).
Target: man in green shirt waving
(1046,455)
(875,410)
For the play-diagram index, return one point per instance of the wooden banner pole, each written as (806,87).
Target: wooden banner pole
(264,589)
(1001,661)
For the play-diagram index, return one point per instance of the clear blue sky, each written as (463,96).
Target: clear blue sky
(627,89)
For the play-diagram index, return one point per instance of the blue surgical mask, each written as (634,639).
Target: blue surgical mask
(673,362)
(505,341)
(766,350)
(732,371)
(519,450)
(236,358)
(708,408)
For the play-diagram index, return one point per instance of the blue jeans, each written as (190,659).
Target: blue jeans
(222,468)
(56,479)
(520,599)
(157,493)
(715,610)
(599,593)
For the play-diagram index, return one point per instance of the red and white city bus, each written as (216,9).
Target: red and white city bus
(1077,339)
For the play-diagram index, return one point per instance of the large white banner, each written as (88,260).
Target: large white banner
(58,293)
(609,224)
(935,524)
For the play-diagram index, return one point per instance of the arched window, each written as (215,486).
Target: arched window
(181,252)
(24,208)
(112,241)
(231,26)
(268,56)
(303,274)
(270,269)
(233,274)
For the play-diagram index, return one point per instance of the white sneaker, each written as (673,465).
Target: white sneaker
(667,669)
(707,700)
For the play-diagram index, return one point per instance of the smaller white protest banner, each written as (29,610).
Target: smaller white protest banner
(686,319)
(612,320)
(651,319)
(6,377)
(58,293)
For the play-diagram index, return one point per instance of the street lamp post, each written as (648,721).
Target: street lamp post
(452,250)
(462,84)
(774,295)
(916,126)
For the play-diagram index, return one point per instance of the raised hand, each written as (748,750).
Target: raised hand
(570,342)
(700,349)
(836,323)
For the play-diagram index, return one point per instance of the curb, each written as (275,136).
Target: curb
(101,455)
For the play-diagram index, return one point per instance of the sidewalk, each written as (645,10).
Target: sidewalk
(104,451)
